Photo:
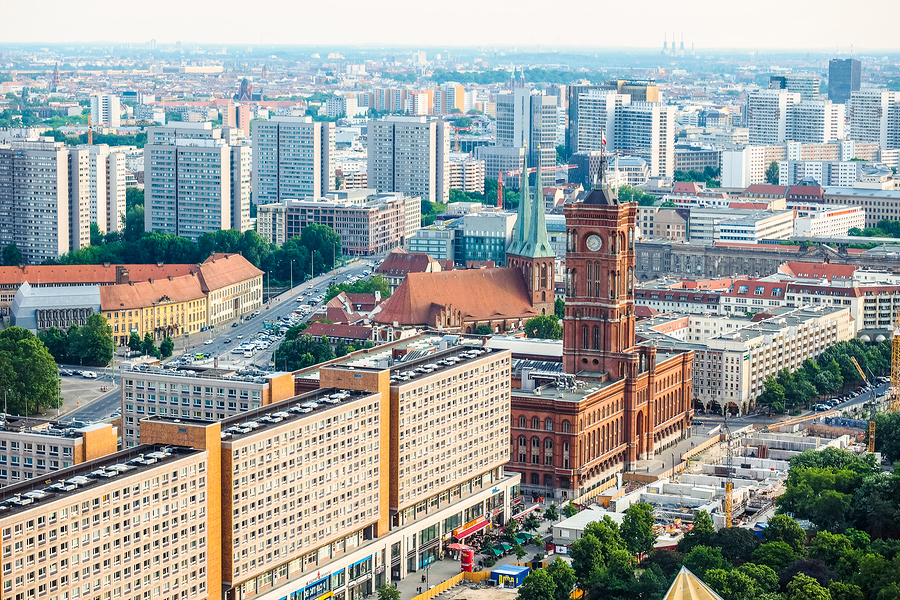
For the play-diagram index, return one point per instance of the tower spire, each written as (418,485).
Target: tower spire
(537,244)
(523,214)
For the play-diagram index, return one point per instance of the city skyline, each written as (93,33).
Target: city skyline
(774,26)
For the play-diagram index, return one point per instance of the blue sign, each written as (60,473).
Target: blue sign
(317,589)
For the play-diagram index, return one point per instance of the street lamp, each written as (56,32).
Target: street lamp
(292,277)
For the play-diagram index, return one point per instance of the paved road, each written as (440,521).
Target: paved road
(103,407)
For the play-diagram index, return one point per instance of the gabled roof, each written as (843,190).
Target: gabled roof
(765,191)
(479,294)
(147,293)
(87,274)
(686,187)
(688,586)
(401,262)
(827,271)
(222,270)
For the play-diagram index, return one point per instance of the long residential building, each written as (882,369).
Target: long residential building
(733,356)
(368,222)
(322,494)
(196,181)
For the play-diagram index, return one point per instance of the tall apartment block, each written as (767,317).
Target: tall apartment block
(327,494)
(106,110)
(596,117)
(410,155)
(816,122)
(843,78)
(37,211)
(875,117)
(107,186)
(524,121)
(191,181)
(647,130)
(767,116)
(291,159)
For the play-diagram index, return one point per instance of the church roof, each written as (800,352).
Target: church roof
(530,238)
(688,586)
(479,294)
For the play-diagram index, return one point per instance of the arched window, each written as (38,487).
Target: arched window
(535,479)
(544,276)
(534,423)
(566,447)
(523,441)
(548,444)
(535,443)
(566,426)
(548,424)
(596,337)
(522,422)
(584,337)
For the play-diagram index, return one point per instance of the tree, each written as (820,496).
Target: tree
(531,523)
(148,346)
(375,283)
(388,592)
(806,588)
(519,551)
(703,558)
(764,578)
(737,543)
(93,343)
(12,256)
(133,197)
(56,343)
(28,371)
(134,342)
(538,585)
(702,534)
(587,555)
(483,330)
(134,223)
(844,591)
(811,567)
(637,528)
(731,584)
(559,308)
(563,577)
(772,173)
(166,347)
(543,326)
(776,555)
(570,510)
(550,513)
(782,528)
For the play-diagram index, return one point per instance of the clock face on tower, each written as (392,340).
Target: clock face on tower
(594,242)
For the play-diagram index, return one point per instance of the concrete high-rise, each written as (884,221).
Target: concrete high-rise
(107,187)
(768,116)
(291,159)
(596,112)
(816,122)
(875,117)
(647,130)
(190,182)
(843,78)
(105,110)
(524,120)
(410,155)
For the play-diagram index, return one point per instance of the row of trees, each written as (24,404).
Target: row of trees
(885,228)
(375,283)
(316,249)
(709,175)
(147,345)
(832,370)
(91,345)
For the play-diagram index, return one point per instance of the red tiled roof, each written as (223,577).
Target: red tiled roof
(761,190)
(146,293)
(479,294)
(87,274)
(401,262)
(335,330)
(686,187)
(756,205)
(644,312)
(769,289)
(222,270)
(826,271)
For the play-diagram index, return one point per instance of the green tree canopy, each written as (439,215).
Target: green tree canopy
(538,585)
(12,256)
(28,371)
(92,344)
(544,326)
(637,528)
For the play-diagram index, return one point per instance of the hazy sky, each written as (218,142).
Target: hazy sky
(788,24)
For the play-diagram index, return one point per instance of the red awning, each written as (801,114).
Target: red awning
(470,530)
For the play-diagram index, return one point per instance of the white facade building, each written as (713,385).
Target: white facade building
(410,155)
(875,117)
(827,220)
(106,110)
(647,130)
(768,116)
(816,122)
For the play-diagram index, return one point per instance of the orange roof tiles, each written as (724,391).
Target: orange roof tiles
(86,274)
(479,294)
(147,293)
(222,270)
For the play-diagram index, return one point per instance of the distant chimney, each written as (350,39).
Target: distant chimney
(170,278)
(121,274)
(150,280)
(160,264)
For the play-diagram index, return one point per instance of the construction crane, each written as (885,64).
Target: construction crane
(90,131)
(895,369)
(866,381)
(859,369)
(457,130)
(728,500)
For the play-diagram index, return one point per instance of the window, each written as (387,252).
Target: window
(776,292)
(548,424)
(759,291)
(522,422)
(535,424)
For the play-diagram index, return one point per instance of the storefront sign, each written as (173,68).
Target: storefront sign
(318,590)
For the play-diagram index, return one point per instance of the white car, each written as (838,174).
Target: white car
(240,337)
(207,342)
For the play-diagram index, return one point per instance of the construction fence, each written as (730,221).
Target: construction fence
(436,590)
